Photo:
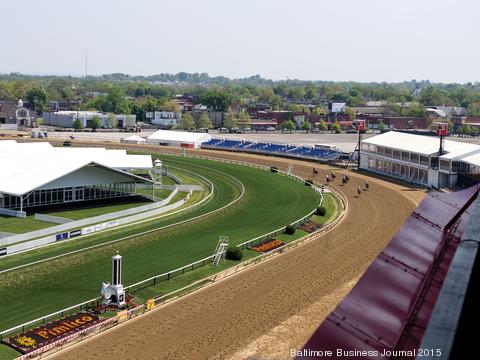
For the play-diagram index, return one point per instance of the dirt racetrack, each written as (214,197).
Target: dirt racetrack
(273,307)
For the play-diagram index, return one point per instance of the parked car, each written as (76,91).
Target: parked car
(271,128)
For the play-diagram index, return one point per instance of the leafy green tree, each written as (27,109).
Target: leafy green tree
(431,95)
(112,121)
(318,110)
(310,91)
(336,128)
(115,101)
(216,100)
(381,126)
(37,97)
(288,125)
(296,93)
(187,122)
(77,124)
(95,123)
(204,122)
(415,109)
(474,109)
(350,112)
(466,129)
(230,120)
(307,126)
(322,125)
(170,105)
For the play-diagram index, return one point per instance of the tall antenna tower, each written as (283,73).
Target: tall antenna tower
(86,64)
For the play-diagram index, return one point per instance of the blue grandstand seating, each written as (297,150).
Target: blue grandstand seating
(229,143)
(269,148)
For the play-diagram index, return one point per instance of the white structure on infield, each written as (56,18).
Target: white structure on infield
(113,293)
(34,174)
(220,250)
(178,138)
(415,158)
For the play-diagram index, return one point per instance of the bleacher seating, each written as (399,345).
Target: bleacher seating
(270,148)
(229,144)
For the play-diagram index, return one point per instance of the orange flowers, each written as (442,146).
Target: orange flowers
(268,245)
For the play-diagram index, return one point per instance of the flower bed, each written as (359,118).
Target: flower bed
(310,226)
(267,246)
(51,332)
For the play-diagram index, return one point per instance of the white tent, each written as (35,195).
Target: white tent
(134,139)
(39,168)
(178,138)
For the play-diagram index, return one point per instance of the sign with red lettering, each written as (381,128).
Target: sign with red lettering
(53,331)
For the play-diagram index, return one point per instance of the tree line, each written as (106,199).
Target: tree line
(120,93)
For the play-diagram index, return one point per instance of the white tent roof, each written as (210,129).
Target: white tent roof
(27,166)
(180,136)
(134,138)
(422,144)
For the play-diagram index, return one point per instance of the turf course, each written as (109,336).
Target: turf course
(270,201)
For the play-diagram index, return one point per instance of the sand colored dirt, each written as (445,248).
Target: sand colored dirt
(263,312)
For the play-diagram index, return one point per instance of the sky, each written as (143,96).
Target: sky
(341,40)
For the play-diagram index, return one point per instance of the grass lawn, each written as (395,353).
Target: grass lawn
(180,281)
(167,181)
(7,353)
(270,201)
(332,205)
(18,226)
(289,238)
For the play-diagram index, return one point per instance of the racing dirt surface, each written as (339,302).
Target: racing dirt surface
(273,307)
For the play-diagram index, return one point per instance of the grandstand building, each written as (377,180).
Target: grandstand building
(416,158)
(34,174)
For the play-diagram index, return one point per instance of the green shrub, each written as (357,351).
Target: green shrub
(234,253)
(321,211)
(308,182)
(290,230)
(273,169)
(67,143)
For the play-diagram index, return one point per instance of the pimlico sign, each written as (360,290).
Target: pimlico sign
(51,332)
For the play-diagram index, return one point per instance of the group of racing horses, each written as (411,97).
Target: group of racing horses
(345,179)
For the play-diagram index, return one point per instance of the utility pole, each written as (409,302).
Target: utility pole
(360,128)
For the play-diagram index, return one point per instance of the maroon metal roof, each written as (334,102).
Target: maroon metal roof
(390,306)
